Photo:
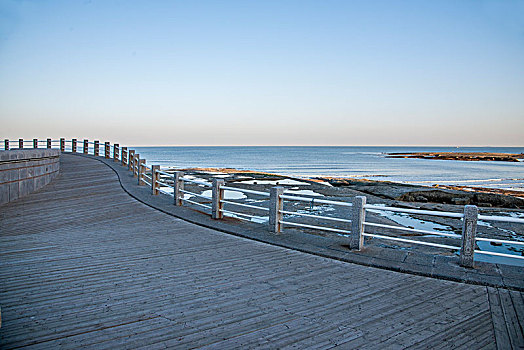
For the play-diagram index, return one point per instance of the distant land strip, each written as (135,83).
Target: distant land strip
(467,156)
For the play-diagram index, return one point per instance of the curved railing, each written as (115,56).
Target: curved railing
(174,184)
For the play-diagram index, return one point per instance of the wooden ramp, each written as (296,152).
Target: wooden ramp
(82,264)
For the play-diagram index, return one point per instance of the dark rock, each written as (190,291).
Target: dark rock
(485,205)
(460,200)
(422,194)
(421,199)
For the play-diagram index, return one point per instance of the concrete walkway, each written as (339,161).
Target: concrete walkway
(82,264)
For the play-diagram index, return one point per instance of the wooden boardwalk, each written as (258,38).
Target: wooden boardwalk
(82,264)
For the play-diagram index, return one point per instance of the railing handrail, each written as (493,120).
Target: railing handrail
(164,173)
(501,219)
(315,216)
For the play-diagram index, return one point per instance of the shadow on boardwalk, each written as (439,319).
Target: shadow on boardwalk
(84,264)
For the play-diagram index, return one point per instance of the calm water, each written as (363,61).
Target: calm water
(359,162)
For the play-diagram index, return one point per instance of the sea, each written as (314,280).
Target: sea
(361,162)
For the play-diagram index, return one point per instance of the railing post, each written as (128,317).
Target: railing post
(21,143)
(178,185)
(86,146)
(141,171)
(137,165)
(276,205)
(73,146)
(35,143)
(107,152)
(469,231)
(6,144)
(96,148)
(136,157)
(217,195)
(62,145)
(136,160)
(115,152)
(358,215)
(123,157)
(48,143)
(130,163)
(154,179)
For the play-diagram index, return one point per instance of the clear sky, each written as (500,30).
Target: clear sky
(321,72)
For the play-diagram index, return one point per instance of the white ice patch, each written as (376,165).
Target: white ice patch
(167,189)
(228,194)
(202,181)
(304,192)
(260,219)
(290,182)
(317,209)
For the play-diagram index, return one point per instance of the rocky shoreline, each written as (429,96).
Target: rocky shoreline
(435,194)
(464,156)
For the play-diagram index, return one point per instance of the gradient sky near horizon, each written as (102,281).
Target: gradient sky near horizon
(264,72)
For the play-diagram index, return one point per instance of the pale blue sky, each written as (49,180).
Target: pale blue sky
(264,72)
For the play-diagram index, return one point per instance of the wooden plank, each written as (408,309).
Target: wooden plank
(513,326)
(502,336)
(518,304)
